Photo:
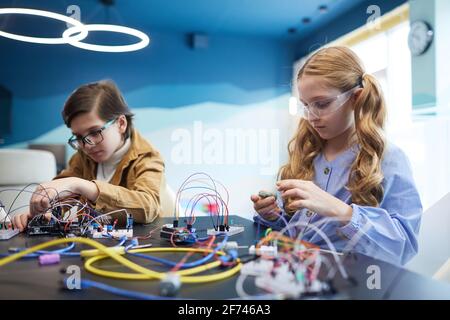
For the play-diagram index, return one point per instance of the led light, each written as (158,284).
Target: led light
(109,28)
(82,32)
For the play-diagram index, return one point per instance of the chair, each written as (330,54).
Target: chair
(58,150)
(19,168)
(167,199)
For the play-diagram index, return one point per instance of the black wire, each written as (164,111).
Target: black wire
(20,192)
(52,202)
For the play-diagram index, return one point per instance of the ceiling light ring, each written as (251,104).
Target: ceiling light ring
(47,14)
(67,34)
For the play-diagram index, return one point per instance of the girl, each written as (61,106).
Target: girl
(114,167)
(340,165)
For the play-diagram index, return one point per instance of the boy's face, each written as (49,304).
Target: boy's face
(86,123)
(327,124)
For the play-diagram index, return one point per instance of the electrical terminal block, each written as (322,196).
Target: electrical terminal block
(232,230)
(108,232)
(257,268)
(270,251)
(177,234)
(6,234)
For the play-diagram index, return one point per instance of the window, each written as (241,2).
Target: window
(426,141)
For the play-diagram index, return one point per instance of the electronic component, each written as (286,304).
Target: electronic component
(257,268)
(130,221)
(51,258)
(42,226)
(3,215)
(96,226)
(177,234)
(284,281)
(231,245)
(170,285)
(6,229)
(97,231)
(266,194)
(263,251)
(6,234)
(107,232)
(231,231)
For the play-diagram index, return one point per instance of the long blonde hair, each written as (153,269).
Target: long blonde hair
(341,68)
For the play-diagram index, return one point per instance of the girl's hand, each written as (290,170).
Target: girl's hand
(267,208)
(305,194)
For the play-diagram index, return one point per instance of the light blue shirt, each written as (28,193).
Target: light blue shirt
(388,232)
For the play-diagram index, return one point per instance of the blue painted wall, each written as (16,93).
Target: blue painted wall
(166,74)
(236,91)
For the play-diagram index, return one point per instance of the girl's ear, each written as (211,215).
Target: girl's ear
(122,124)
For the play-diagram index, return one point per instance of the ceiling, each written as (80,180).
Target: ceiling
(256,18)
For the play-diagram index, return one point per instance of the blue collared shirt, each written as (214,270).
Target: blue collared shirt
(388,232)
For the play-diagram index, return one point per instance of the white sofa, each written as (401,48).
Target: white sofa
(20,167)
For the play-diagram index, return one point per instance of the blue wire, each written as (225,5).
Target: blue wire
(202,239)
(85,284)
(122,241)
(62,252)
(184,265)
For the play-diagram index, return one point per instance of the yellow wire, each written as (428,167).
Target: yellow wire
(148,273)
(184,278)
(135,276)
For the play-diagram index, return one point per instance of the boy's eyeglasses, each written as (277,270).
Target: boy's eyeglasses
(327,106)
(92,138)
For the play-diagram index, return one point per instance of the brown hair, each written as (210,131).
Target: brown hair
(341,68)
(104,97)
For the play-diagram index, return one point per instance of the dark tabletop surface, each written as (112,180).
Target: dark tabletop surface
(25,279)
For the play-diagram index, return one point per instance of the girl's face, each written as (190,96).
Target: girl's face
(317,96)
(90,123)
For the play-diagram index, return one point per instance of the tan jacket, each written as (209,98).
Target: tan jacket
(135,184)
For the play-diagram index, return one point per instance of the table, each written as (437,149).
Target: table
(25,279)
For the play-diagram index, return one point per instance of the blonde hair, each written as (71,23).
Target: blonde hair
(341,68)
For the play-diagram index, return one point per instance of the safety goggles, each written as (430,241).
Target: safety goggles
(327,106)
